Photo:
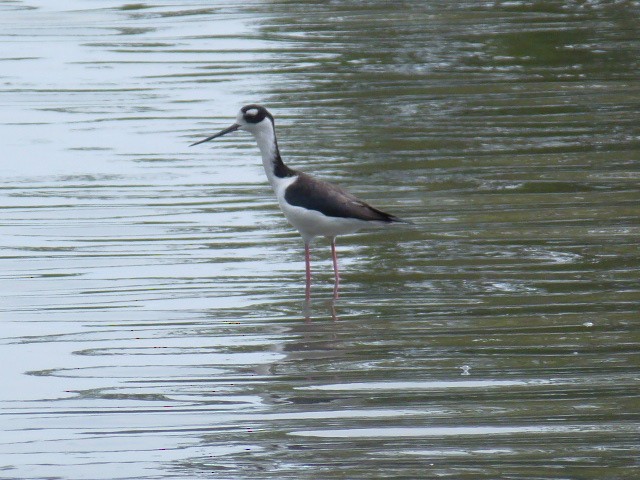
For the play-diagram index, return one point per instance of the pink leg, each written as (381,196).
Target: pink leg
(307,263)
(335,267)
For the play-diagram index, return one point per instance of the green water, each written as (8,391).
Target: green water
(153,314)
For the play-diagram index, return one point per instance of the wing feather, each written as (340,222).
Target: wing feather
(330,200)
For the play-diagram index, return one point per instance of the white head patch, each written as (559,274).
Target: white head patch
(252,112)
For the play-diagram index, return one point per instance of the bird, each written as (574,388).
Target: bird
(313,206)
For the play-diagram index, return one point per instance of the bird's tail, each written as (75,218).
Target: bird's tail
(394,219)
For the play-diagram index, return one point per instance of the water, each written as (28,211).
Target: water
(153,315)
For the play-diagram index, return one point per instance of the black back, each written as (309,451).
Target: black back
(332,201)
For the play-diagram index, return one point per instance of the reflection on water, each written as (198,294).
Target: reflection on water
(153,310)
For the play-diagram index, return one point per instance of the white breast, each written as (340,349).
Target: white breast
(311,223)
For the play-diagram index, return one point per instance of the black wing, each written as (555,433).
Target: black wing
(332,201)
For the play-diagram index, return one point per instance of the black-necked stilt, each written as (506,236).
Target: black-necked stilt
(314,207)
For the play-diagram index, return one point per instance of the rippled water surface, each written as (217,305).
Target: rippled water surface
(152,307)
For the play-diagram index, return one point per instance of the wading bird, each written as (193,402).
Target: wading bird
(314,207)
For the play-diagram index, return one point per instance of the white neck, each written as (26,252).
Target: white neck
(265,136)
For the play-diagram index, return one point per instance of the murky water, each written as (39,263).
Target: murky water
(153,316)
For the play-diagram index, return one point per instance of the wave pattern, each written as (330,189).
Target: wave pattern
(152,310)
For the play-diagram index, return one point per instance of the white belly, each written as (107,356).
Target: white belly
(311,223)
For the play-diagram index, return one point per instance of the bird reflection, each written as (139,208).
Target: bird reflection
(331,304)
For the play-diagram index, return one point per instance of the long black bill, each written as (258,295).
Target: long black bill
(232,128)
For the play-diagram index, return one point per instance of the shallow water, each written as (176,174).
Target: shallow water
(153,314)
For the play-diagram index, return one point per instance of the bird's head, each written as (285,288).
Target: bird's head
(254,119)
